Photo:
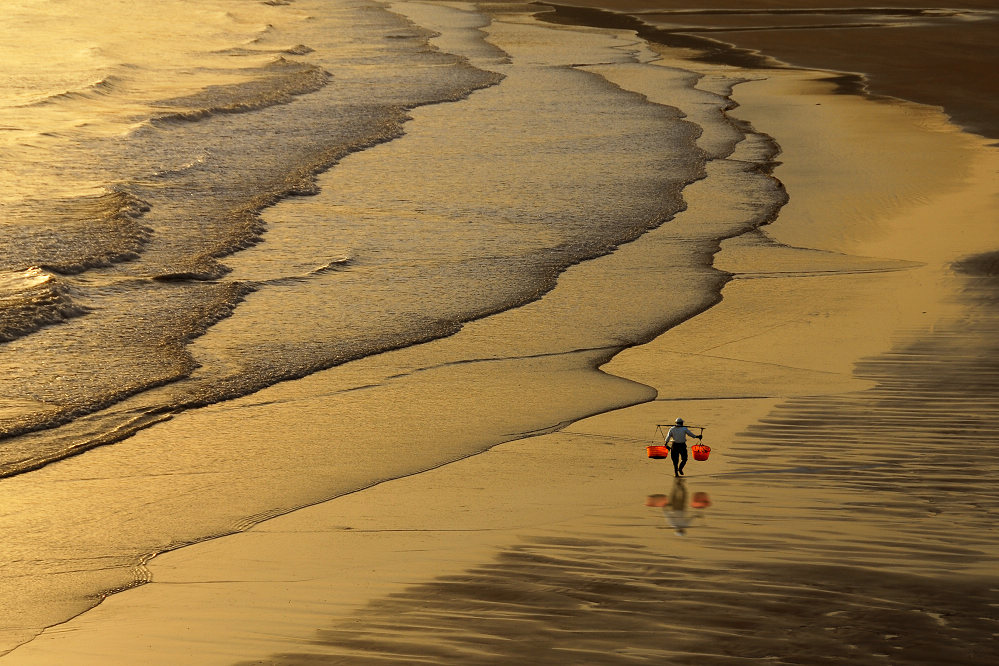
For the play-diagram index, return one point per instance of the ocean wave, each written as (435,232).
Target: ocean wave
(138,333)
(334,265)
(279,82)
(133,340)
(100,88)
(282,274)
(31,299)
(197,161)
(296,50)
(71,235)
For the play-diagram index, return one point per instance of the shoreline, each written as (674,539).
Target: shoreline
(450,520)
(871,56)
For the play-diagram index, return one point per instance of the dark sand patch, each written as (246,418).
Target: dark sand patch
(947,60)
(600,602)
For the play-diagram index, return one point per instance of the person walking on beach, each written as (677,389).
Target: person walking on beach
(678,452)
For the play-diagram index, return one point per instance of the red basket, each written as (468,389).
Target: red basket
(657,452)
(700,451)
(700,500)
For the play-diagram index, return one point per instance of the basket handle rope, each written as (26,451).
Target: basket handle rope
(661,433)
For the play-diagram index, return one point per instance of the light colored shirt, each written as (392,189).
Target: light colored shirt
(679,520)
(679,434)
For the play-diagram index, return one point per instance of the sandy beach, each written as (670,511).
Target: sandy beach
(847,379)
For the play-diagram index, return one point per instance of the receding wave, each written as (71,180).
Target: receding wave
(102,87)
(72,235)
(139,347)
(331,266)
(202,196)
(279,82)
(296,50)
(31,299)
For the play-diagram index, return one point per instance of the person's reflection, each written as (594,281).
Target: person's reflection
(675,505)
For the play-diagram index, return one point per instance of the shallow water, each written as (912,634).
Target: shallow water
(186,146)
(146,224)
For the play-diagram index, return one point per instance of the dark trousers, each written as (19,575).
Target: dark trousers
(679,455)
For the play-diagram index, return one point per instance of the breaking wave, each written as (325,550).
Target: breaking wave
(277,83)
(101,88)
(72,235)
(31,299)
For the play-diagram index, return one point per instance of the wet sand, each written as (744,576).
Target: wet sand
(941,55)
(848,381)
